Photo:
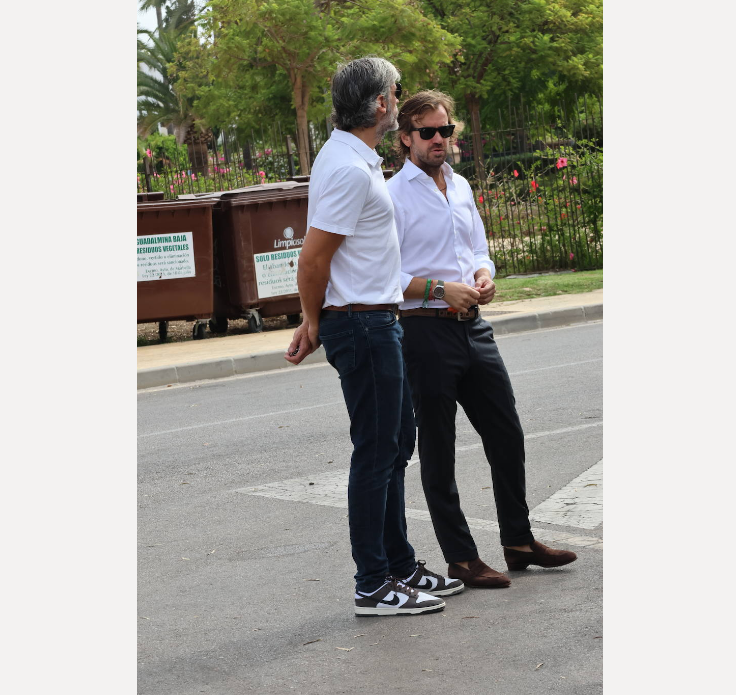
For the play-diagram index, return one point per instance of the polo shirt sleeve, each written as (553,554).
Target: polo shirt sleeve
(480,243)
(341,200)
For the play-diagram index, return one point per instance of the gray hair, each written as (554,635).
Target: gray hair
(355,87)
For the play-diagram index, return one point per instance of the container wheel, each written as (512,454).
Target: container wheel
(163,331)
(218,324)
(198,332)
(255,323)
(293,319)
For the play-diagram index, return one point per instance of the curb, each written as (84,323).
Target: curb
(274,359)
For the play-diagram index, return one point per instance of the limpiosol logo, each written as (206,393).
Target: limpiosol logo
(288,241)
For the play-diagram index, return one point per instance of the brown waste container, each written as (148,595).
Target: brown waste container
(258,234)
(175,278)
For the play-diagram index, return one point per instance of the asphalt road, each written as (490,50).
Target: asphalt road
(241,593)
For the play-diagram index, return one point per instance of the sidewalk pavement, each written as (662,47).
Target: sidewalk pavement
(216,358)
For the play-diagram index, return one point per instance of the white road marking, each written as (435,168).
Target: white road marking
(241,419)
(330,489)
(555,366)
(578,504)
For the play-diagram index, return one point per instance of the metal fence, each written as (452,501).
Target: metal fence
(537,181)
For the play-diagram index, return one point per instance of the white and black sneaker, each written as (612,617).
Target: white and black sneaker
(396,598)
(431,583)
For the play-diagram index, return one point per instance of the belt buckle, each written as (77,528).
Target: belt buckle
(467,316)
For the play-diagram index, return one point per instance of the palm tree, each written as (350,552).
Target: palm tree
(158,5)
(160,102)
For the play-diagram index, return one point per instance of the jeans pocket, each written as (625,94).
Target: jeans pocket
(340,351)
(375,320)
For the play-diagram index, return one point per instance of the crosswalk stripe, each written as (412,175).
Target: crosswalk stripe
(330,490)
(579,503)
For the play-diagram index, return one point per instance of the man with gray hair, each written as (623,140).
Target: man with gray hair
(349,280)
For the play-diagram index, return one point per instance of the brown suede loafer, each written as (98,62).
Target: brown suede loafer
(478,574)
(540,555)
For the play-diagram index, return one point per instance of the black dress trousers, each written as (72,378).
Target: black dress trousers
(451,362)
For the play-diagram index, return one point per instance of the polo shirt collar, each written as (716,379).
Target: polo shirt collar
(412,171)
(370,156)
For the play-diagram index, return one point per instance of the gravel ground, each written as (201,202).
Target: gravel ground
(182,330)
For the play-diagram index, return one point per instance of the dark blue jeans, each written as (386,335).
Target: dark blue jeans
(365,349)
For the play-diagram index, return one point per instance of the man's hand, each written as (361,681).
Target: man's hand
(460,296)
(487,289)
(303,344)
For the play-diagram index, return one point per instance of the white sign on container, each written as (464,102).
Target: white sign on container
(165,257)
(276,272)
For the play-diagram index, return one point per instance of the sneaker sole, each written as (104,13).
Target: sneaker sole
(365,612)
(444,592)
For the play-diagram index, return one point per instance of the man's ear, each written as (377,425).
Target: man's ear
(381,104)
(406,139)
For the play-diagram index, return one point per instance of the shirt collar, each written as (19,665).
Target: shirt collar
(370,156)
(412,171)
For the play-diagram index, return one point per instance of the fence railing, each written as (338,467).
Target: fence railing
(538,183)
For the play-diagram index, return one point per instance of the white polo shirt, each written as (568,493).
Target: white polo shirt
(348,196)
(441,239)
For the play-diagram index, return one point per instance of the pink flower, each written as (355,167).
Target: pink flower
(574,179)
(269,150)
(172,187)
(480,197)
(572,255)
(578,207)
(139,178)
(222,157)
(259,154)
(564,177)
(561,162)
(516,173)
(148,153)
(194,178)
(262,174)
(567,205)
(535,185)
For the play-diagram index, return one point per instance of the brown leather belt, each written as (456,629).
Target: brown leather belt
(473,313)
(364,307)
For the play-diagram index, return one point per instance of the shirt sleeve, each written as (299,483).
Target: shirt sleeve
(406,278)
(341,200)
(480,243)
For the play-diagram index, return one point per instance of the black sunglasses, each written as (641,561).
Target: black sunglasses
(428,133)
(397,93)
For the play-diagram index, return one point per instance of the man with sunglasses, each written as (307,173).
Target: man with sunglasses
(450,353)
(349,285)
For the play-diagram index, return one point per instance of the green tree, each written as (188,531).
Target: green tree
(515,47)
(306,39)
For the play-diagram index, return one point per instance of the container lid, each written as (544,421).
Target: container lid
(170,205)
(246,190)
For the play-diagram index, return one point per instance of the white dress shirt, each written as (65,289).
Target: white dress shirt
(440,238)
(348,196)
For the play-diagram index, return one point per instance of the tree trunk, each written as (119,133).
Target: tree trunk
(301,102)
(197,157)
(159,18)
(196,141)
(473,104)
